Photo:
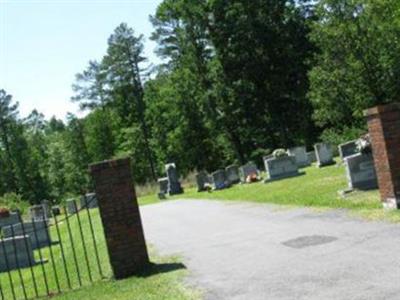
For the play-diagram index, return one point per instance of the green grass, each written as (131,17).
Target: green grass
(318,188)
(157,283)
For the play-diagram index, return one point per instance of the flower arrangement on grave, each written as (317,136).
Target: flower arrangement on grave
(4,212)
(364,144)
(279,153)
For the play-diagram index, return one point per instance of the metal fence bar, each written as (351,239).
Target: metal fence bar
(8,270)
(17,262)
(62,252)
(73,248)
(30,260)
(83,242)
(52,258)
(40,256)
(94,242)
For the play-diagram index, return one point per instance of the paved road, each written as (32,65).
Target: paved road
(250,251)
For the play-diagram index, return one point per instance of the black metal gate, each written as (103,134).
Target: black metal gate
(46,256)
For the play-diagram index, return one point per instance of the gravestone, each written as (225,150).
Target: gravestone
(12,218)
(312,158)
(232,174)
(280,167)
(47,207)
(37,231)
(89,200)
(246,170)
(16,252)
(324,154)
(300,155)
(163,185)
(56,211)
(38,212)
(360,172)
(220,180)
(174,186)
(71,206)
(202,180)
(347,149)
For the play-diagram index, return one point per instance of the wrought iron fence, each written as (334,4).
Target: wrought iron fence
(47,256)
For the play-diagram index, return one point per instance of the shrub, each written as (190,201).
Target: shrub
(13,201)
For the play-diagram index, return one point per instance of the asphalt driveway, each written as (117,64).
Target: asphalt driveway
(253,251)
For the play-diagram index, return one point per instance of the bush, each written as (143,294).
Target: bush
(335,137)
(13,202)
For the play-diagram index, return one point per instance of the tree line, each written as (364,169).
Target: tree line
(239,78)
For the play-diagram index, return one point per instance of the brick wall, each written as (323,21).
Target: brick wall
(120,216)
(384,129)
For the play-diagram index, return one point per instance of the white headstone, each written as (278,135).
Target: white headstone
(300,155)
(347,149)
(280,167)
(324,154)
(16,249)
(37,231)
(360,171)
(248,169)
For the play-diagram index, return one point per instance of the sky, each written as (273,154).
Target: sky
(44,43)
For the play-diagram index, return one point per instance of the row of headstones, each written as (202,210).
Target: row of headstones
(21,238)
(359,169)
(227,177)
(45,210)
(276,168)
(19,241)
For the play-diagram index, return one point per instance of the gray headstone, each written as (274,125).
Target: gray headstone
(13,250)
(360,171)
(56,211)
(311,156)
(38,212)
(324,154)
(47,207)
(174,186)
(347,149)
(13,218)
(89,200)
(220,180)
(300,155)
(71,206)
(202,179)
(246,170)
(280,167)
(232,174)
(37,231)
(163,185)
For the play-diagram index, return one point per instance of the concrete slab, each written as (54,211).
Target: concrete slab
(251,251)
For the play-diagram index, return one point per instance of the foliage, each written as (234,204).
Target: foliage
(238,78)
(358,62)
(13,202)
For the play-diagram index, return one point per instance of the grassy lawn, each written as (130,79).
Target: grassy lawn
(163,280)
(318,188)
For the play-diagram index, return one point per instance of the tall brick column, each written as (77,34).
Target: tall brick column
(384,129)
(120,216)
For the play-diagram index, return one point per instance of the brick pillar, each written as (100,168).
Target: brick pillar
(120,216)
(384,129)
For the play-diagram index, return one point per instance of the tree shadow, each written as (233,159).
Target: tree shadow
(155,268)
